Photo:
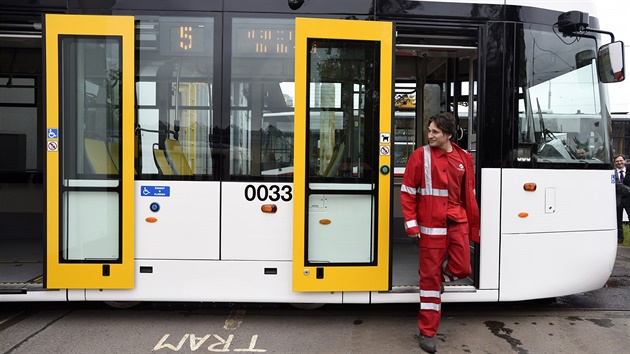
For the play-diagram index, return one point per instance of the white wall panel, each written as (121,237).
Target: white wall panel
(249,234)
(564,200)
(187,225)
(555,264)
(220,281)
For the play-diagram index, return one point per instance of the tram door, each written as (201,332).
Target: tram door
(435,72)
(342,155)
(89,151)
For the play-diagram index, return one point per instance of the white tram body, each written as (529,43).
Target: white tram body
(236,159)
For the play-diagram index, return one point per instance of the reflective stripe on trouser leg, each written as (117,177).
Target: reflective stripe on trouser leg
(430,282)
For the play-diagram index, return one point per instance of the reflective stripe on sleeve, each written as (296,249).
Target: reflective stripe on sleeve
(410,223)
(407,189)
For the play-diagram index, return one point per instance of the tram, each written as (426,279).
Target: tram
(252,151)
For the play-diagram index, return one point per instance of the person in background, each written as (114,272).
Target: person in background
(622,191)
(582,153)
(440,208)
(599,154)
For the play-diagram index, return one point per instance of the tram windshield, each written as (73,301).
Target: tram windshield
(561,108)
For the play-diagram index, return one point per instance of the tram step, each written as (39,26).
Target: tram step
(20,287)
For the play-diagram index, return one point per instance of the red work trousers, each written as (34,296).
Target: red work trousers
(433,272)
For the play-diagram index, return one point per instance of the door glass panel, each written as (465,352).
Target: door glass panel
(342,83)
(90,148)
(348,238)
(91,230)
(341,114)
(90,108)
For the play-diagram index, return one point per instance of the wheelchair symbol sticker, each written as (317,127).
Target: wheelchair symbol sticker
(52,133)
(155,191)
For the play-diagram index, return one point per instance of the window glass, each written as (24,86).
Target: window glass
(91,108)
(261,98)
(341,119)
(621,135)
(175,123)
(90,86)
(560,108)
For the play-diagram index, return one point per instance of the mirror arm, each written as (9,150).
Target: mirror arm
(612,36)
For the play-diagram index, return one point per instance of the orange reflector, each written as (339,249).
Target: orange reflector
(151,219)
(530,187)
(269,208)
(523,214)
(325,221)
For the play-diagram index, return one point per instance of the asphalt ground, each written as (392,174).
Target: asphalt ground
(593,322)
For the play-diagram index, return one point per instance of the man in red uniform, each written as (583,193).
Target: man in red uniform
(440,208)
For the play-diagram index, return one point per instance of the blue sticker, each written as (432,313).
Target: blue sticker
(612,178)
(155,191)
(52,133)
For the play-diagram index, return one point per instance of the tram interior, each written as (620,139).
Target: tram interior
(435,72)
(21,171)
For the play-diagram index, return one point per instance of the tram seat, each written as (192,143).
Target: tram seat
(176,158)
(114,152)
(98,157)
(136,147)
(335,162)
(159,156)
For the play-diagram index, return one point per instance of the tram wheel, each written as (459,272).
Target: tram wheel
(122,304)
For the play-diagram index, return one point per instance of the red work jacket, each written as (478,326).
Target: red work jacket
(424,195)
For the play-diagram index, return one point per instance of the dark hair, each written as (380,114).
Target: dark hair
(616,156)
(445,121)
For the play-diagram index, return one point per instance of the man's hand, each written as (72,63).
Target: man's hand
(414,235)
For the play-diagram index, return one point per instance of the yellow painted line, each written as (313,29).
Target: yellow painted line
(36,279)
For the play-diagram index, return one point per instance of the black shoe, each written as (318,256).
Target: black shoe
(427,343)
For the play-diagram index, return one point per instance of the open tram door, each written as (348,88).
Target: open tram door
(90,145)
(342,178)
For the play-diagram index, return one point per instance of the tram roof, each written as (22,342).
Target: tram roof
(459,10)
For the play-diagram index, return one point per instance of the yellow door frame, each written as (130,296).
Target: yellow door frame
(93,275)
(355,277)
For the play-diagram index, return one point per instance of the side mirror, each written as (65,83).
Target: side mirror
(610,59)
